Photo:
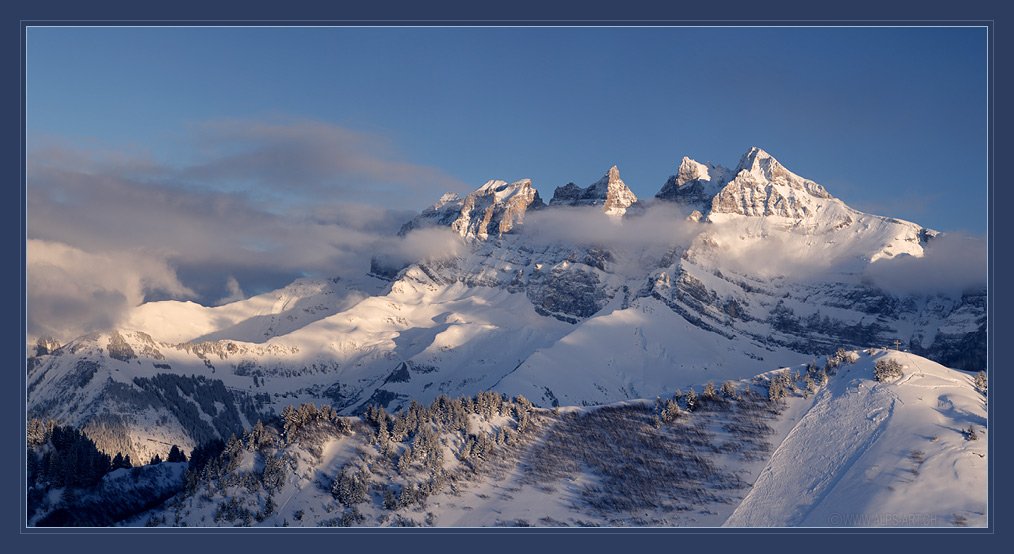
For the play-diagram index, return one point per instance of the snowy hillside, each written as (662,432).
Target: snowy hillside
(868,453)
(821,446)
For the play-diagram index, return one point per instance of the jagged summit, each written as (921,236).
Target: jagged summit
(447,198)
(753,158)
(495,208)
(764,167)
(442,214)
(694,184)
(492,209)
(610,192)
(758,186)
(764,187)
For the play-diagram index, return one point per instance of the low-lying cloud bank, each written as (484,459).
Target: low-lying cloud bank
(952,263)
(637,242)
(262,204)
(71,292)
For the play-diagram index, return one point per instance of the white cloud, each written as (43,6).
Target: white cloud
(263,203)
(952,263)
(637,242)
(73,292)
(235,292)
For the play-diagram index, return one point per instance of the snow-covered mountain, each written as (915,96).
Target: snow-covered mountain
(593,299)
(827,445)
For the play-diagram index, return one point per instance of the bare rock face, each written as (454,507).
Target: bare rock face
(610,192)
(495,208)
(46,345)
(694,184)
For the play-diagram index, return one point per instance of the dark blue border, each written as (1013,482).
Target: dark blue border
(299,13)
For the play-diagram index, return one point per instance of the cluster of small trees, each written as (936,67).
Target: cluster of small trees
(420,427)
(887,369)
(816,377)
(779,386)
(785,382)
(175,456)
(352,486)
(64,456)
(839,358)
(233,509)
(669,410)
(307,423)
(413,444)
(666,412)
(414,493)
(215,461)
(120,462)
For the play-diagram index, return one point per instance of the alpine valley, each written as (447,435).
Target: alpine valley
(721,354)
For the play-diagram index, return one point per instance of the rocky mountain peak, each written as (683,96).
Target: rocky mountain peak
(694,184)
(495,208)
(691,170)
(764,187)
(441,214)
(762,165)
(610,192)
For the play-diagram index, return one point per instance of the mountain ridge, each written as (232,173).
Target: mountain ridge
(566,304)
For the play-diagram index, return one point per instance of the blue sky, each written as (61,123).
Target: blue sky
(214,163)
(891,120)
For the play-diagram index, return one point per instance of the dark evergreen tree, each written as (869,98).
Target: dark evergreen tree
(176,455)
(204,453)
(73,459)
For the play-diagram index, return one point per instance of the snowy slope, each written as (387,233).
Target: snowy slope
(848,451)
(870,454)
(255,319)
(636,352)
